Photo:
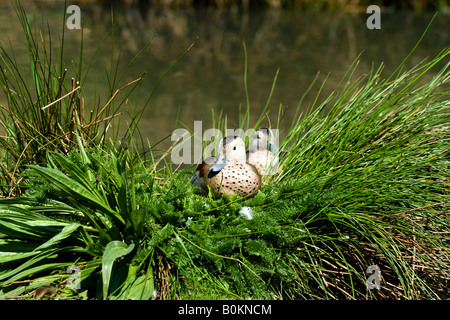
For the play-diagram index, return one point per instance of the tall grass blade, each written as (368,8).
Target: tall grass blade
(113,251)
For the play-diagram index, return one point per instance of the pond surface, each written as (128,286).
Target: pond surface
(211,75)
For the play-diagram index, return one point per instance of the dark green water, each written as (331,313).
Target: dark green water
(211,75)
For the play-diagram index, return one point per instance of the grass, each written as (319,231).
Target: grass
(364,182)
(46,104)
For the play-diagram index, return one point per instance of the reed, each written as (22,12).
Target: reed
(46,105)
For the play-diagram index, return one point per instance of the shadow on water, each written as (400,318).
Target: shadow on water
(211,75)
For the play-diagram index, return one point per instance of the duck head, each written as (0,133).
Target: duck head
(262,140)
(233,148)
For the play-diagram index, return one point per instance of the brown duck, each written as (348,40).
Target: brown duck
(228,172)
(263,153)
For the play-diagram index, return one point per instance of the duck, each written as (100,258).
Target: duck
(263,152)
(228,173)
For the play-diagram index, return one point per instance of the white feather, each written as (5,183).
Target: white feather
(246,212)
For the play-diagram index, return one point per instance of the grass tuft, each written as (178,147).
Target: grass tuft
(364,182)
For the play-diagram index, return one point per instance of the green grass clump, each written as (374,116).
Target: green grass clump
(382,154)
(364,182)
(46,102)
(81,210)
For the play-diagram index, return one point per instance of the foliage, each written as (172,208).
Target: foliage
(45,108)
(80,213)
(364,182)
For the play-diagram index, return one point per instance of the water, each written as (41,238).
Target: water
(211,75)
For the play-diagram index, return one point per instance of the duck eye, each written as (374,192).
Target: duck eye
(234,148)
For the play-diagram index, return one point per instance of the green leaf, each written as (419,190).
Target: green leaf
(13,250)
(113,251)
(84,177)
(142,287)
(74,189)
(136,287)
(26,266)
(84,156)
(19,222)
(148,284)
(48,267)
(137,220)
(122,197)
(65,232)
(11,256)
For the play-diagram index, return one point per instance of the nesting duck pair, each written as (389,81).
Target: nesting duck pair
(235,171)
